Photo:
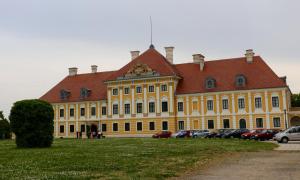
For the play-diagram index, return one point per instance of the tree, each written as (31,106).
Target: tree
(4,127)
(32,123)
(295,100)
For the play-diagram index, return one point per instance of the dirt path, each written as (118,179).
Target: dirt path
(271,165)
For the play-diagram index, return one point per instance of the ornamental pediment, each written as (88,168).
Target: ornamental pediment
(139,70)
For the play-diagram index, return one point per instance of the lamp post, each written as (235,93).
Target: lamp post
(286,125)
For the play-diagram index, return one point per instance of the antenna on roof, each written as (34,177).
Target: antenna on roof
(151,45)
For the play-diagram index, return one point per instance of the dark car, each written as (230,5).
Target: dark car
(251,133)
(215,133)
(162,134)
(235,133)
(266,134)
(222,132)
(183,134)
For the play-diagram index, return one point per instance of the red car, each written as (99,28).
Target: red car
(266,134)
(162,134)
(251,133)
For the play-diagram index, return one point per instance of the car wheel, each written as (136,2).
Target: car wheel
(284,140)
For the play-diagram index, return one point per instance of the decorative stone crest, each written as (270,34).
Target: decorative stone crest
(139,70)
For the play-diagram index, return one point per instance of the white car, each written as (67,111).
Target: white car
(200,133)
(290,134)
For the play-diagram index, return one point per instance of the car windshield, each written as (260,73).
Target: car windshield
(264,131)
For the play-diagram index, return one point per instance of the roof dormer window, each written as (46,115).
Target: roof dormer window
(240,80)
(210,83)
(84,93)
(64,94)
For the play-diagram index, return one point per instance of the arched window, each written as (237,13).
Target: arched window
(64,94)
(210,83)
(84,93)
(240,80)
(243,124)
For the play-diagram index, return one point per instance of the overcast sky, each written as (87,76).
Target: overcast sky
(40,40)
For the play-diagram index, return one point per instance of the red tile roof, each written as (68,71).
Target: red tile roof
(258,74)
(153,59)
(73,84)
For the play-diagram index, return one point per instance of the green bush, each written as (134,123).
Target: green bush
(32,123)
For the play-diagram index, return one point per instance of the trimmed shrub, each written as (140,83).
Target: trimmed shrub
(4,129)
(32,123)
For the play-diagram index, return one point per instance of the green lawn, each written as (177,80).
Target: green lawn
(112,158)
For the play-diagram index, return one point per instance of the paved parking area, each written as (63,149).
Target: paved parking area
(283,163)
(270,165)
(290,146)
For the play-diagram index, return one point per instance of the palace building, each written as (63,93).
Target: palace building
(151,93)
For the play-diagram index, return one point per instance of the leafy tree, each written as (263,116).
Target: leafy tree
(32,123)
(4,127)
(295,100)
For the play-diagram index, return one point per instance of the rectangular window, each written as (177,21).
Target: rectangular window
(82,128)
(151,107)
(61,129)
(82,111)
(115,109)
(164,87)
(210,105)
(210,124)
(127,126)
(259,123)
(276,121)
(115,126)
(151,126)
(180,106)
(103,128)
(258,103)
(126,90)
(241,103)
(138,89)
(71,128)
(225,103)
(61,113)
(275,101)
(127,108)
(103,110)
(139,107)
(93,111)
(164,106)
(165,125)
(115,92)
(226,123)
(139,126)
(195,105)
(151,88)
(72,112)
(181,125)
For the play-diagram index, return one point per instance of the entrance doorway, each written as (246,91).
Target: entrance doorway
(94,130)
(242,124)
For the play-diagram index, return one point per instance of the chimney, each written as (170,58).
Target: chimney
(94,68)
(73,71)
(249,55)
(199,59)
(134,54)
(169,54)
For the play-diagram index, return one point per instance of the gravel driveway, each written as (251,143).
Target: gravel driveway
(281,164)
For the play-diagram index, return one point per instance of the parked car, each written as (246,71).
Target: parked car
(183,134)
(162,134)
(200,133)
(235,133)
(222,132)
(290,134)
(266,134)
(248,135)
(217,133)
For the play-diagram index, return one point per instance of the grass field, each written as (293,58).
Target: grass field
(131,158)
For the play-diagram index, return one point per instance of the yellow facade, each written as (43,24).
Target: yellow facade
(194,115)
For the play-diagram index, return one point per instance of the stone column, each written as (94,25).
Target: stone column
(109,102)
(202,112)
(267,110)
(188,122)
(157,99)
(250,110)
(218,112)
(121,100)
(132,100)
(171,96)
(233,112)
(145,100)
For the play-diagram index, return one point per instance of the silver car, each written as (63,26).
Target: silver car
(200,133)
(290,134)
